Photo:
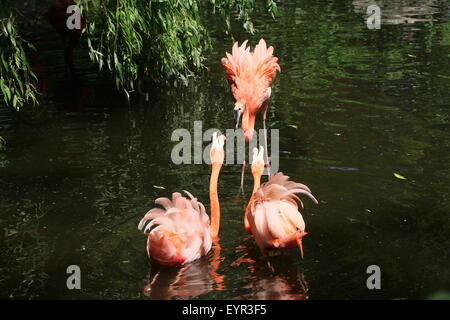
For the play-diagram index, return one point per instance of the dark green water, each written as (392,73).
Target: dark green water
(353,107)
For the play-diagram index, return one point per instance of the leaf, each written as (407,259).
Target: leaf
(159,187)
(398,176)
(31,46)
(15,100)
(9,27)
(6,91)
(10,232)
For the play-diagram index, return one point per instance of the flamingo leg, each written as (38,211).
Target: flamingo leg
(266,154)
(242,176)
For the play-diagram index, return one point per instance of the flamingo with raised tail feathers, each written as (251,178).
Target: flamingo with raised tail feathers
(182,231)
(250,75)
(272,215)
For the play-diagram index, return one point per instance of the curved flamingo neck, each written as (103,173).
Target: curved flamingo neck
(256,182)
(214,201)
(256,185)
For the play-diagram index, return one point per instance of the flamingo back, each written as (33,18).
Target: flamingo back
(250,74)
(179,232)
(274,212)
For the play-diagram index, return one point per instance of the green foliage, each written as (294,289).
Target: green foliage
(440,295)
(398,176)
(17,80)
(160,39)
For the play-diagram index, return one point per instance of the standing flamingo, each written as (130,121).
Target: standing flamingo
(250,75)
(183,231)
(272,215)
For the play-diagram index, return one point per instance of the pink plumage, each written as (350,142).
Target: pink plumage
(181,233)
(250,75)
(273,215)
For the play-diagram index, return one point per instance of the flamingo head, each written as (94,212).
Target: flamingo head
(238,110)
(258,161)
(217,154)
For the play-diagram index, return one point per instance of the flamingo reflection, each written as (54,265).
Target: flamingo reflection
(281,282)
(188,281)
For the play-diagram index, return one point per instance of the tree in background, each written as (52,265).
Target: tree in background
(164,40)
(17,80)
(160,39)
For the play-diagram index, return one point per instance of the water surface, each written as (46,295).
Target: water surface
(353,106)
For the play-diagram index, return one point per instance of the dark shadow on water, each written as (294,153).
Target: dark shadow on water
(188,281)
(274,278)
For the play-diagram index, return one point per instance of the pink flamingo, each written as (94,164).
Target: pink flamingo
(183,231)
(250,76)
(272,215)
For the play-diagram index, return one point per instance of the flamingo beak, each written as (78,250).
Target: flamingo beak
(300,245)
(299,241)
(237,116)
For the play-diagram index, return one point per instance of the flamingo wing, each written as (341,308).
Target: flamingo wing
(179,233)
(273,212)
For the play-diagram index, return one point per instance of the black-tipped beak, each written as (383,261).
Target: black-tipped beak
(237,116)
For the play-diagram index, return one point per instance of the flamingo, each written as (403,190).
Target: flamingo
(250,76)
(272,215)
(183,231)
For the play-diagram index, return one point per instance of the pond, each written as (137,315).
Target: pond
(353,106)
